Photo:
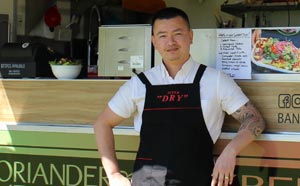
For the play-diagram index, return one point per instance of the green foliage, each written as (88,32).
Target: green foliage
(64,61)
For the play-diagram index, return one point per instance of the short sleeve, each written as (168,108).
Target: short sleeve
(122,102)
(231,95)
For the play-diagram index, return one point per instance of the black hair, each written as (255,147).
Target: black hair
(168,13)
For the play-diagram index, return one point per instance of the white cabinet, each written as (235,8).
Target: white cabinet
(123,49)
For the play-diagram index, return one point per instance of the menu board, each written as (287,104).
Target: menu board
(233,52)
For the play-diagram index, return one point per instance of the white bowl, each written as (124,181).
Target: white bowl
(66,71)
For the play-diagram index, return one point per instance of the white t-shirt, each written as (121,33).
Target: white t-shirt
(219,94)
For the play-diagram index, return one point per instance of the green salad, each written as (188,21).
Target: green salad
(64,61)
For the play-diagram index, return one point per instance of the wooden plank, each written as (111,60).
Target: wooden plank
(80,101)
(55,101)
(279,103)
(264,148)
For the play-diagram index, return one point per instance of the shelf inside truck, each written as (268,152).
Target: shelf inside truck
(239,9)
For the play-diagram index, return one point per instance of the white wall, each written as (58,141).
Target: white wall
(7,7)
(202,15)
(42,30)
(16,12)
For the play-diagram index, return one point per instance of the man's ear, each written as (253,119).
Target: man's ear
(191,35)
(153,41)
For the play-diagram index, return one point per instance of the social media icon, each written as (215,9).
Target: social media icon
(284,101)
(296,100)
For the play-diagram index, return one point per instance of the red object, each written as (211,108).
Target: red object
(52,17)
(144,6)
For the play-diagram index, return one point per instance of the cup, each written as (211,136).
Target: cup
(92,71)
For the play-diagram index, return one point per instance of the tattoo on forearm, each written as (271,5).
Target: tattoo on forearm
(250,119)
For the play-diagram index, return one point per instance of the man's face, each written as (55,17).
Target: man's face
(172,38)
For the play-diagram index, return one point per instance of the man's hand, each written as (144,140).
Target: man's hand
(223,172)
(117,179)
(252,124)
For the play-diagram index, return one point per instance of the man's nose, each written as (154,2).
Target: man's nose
(171,40)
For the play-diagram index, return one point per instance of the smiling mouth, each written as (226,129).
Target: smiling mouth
(172,49)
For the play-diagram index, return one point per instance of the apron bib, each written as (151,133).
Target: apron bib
(175,146)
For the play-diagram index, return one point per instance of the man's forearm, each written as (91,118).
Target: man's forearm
(252,125)
(103,128)
(106,147)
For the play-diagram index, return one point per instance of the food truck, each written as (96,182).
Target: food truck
(46,132)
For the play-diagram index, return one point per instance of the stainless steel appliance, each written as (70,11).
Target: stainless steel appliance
(124,49)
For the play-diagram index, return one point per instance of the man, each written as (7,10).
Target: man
(179,111)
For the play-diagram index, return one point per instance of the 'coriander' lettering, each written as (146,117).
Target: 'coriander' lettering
(33,173)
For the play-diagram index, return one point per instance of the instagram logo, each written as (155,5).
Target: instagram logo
(288,101)
(296,100)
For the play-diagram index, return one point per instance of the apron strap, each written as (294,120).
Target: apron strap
(197,79)
(143,78)
(199,73)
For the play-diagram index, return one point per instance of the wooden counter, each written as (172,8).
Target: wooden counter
(80,101)
(54,101)
(45,135)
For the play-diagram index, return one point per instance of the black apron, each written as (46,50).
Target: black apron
(175,145)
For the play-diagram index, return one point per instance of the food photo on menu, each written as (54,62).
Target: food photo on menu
(276,50)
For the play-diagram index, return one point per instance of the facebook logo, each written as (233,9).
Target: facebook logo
(288,101)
